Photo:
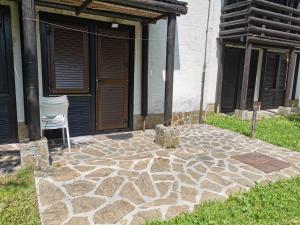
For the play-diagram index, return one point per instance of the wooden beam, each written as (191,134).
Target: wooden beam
(271,42)
(170,69)
(84,5)
(246,72)
(280,34)
(238,22)
(235,14)
(290,77)
(262,12)
(233,31)
(31,70)
(274,23)
(273,5)
(154,20)
(159,6)
(145,61)
(221,47)
(234,38)
(93,11)
(236,5)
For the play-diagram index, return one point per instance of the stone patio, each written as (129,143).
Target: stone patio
(127,179)
(10,159)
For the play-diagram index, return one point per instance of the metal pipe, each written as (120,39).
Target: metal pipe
(204,67)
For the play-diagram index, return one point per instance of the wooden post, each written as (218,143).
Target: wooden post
(31,70)
(296,78)
(244,90)
(290,77)
(221,46)
(262,78)
(170,69)
(256,107)
(145,57)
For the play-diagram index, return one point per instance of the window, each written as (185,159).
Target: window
(69,62)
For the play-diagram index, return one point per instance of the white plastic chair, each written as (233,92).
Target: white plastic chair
(54,115)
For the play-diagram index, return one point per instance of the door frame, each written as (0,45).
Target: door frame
(11,78)
(98,103)
(92,24)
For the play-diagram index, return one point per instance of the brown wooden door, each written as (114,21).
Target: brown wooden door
(274,78)
(112,80)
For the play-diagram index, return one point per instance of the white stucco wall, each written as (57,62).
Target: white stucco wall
(189,58)
(17,57)
(212,53)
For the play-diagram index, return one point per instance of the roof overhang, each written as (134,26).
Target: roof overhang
(146,11)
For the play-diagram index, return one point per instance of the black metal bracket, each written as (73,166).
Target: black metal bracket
(84,5)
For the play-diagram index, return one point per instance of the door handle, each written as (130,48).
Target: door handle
(100,81)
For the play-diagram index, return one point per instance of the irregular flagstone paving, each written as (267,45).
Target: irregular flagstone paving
(127,179)
(10,159)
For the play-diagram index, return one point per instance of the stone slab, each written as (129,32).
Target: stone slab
(262,162)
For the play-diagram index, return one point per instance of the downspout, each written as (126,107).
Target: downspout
(201,120)
(145,61)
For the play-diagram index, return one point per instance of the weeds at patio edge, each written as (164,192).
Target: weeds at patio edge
(274,204)
(280,131)
(18,200)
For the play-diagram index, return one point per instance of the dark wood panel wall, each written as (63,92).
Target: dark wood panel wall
(276,21)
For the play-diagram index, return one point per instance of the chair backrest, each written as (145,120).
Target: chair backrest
(54,106)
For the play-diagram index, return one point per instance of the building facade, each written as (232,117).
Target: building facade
(121,67)
(261,38)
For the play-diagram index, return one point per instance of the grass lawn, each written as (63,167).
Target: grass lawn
(18,201)
(280,131)
(275,204)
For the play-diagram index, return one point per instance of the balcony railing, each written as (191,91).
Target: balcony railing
(261,19)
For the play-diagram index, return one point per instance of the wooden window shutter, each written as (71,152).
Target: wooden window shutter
(69,61)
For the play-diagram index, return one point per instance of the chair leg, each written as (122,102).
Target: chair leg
(63,135)
(68,137)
